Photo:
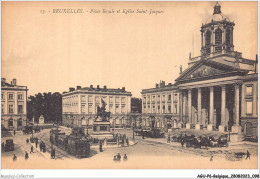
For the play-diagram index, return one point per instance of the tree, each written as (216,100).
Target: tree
(47,104)
(136,105)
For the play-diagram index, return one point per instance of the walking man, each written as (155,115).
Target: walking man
(26,156)
(100,147)
(247,155)
(14,132)
(31,149)
(14,158)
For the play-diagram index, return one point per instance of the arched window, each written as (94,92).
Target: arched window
(228,38)
(218,40)
(10,122)
(208,36)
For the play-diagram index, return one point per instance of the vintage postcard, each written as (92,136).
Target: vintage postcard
(129,85)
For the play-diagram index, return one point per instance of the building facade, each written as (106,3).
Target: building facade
(13,105)
(218,90)
(79,106)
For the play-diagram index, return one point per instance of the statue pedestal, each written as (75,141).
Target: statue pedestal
(101,130)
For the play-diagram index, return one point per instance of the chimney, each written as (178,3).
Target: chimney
(3,80)
(72,89)
(91,86)
(156,85)
(181,69)
(105,87)
(123,89)
(78,87)
(98,87)
(14,81)
(169,84)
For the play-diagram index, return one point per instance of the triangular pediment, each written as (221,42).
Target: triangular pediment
(205,69)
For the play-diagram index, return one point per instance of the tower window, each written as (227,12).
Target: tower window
(228,39)
(218,40)
(208,36)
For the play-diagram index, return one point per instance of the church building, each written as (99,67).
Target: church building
(217,92)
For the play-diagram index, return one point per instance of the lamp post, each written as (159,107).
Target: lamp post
(133,129)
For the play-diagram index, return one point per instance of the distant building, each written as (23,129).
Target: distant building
(79,106)
(218,90)
(13,105)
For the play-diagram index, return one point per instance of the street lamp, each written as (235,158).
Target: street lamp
(133,129)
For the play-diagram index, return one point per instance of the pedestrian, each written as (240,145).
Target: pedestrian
(14,132)
(118,157)
(3,146)
(125,157)
(247,155)
(182,142)
(127,141)
(211,158)
(115,159)
(14,158)
(54,153)
(142,132)
(36,144)
(169,139)
(100,147)
(41,146)
(26,156)
(31,149)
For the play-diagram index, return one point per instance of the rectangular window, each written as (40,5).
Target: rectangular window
(20,96)
(90,109)
(123,109)
(2,96)
(148,106)
(249,90)
(144,99)
(97,99)
(158,98)
(144,106)
(20,109)
(175,97)
(111,99)
(117,109)
(11,109)
(158,107)
(90,98)
(11,96)
(169,97)
(83,98)
(163,108)
(169,109)
(148,98)
(153,99)
(117,99)
(111,108)
(249,107)
(123,100)
(2,108)
(83,108)
(175,109)
(153,108)
(163,97)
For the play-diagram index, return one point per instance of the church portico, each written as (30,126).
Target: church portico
(211,108)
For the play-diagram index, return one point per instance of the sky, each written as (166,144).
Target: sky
(52,52)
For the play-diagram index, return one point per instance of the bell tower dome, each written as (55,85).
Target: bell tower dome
(217,34)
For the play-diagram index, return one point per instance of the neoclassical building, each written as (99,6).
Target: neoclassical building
(13,105)
(218,90)
(79,106)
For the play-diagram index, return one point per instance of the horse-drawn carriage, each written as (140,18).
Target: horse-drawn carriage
(201,141)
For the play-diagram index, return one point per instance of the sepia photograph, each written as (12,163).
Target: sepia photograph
(129,85)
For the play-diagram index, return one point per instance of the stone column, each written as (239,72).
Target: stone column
(188,125)
(211,109)
(222,127)
(236,128)
(180,110)
(199,124)
(184,108)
